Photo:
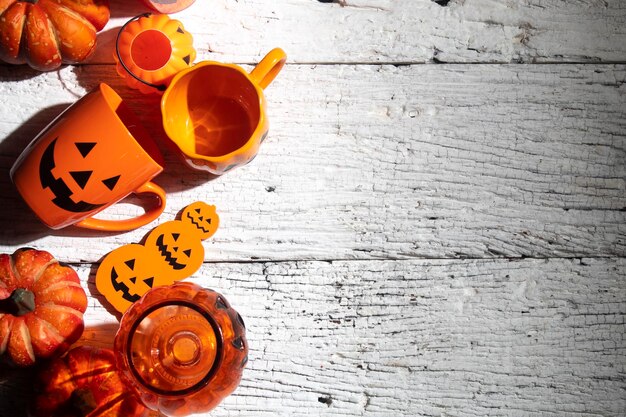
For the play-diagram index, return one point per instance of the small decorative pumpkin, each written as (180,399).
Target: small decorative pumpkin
(46,33)
(41,306)
(173,251)
(84,383)
(168,6)
(151,49)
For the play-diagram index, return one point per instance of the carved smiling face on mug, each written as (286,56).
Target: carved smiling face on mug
(79,183)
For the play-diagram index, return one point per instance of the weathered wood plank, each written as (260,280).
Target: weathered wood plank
(382,162)
(397,30)
(407,338)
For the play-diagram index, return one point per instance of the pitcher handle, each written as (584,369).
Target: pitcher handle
(135,222)
(269,67)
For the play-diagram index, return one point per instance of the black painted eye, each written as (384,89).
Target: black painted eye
(111,182)
(84,147)
(81,177)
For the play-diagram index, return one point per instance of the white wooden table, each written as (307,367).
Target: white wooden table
(436,224)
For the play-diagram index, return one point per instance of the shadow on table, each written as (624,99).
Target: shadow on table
(16,390)
(17,222)
(17,384)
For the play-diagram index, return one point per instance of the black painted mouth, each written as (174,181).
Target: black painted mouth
(58,187)
(167,255)
(197,223)
(120,286)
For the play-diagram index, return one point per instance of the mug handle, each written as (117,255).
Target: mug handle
(129,224)
(269,67)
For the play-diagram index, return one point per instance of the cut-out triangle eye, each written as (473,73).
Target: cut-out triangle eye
(85,147)
(81,177)
(198,210)
(149,281)
(111,182)
(130,263)
(187,252)
(175,236)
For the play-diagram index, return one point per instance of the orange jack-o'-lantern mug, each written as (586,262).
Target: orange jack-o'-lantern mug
(90,157)
(215,113)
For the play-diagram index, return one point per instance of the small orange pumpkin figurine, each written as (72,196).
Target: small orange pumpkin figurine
(41,306)
(151,49)
(172,251)
(47,33)
(85,382)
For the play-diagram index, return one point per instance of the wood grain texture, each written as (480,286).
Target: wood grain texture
(412,240)
(397,31)
(382,162)
(409,338)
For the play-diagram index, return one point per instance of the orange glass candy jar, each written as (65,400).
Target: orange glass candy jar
(182,348)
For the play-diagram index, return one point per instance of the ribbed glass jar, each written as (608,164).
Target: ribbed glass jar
(182,348)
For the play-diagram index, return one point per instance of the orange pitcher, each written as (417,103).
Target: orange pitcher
(215,113)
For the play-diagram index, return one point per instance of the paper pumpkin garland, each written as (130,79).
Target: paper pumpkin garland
(172,251)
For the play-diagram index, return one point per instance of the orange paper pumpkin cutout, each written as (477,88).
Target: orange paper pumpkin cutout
(173,251)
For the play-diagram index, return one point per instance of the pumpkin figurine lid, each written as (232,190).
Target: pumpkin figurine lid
(172,251)
(150,49)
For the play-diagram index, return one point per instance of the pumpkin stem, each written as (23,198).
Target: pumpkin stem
(21,302)
(83,401)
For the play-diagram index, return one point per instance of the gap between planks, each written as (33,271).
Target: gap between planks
(392,259)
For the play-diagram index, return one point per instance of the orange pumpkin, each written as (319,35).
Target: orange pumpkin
(46,33)
(41,306)
(84,383)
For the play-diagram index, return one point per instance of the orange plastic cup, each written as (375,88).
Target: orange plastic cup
(215,113)
(90,157)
